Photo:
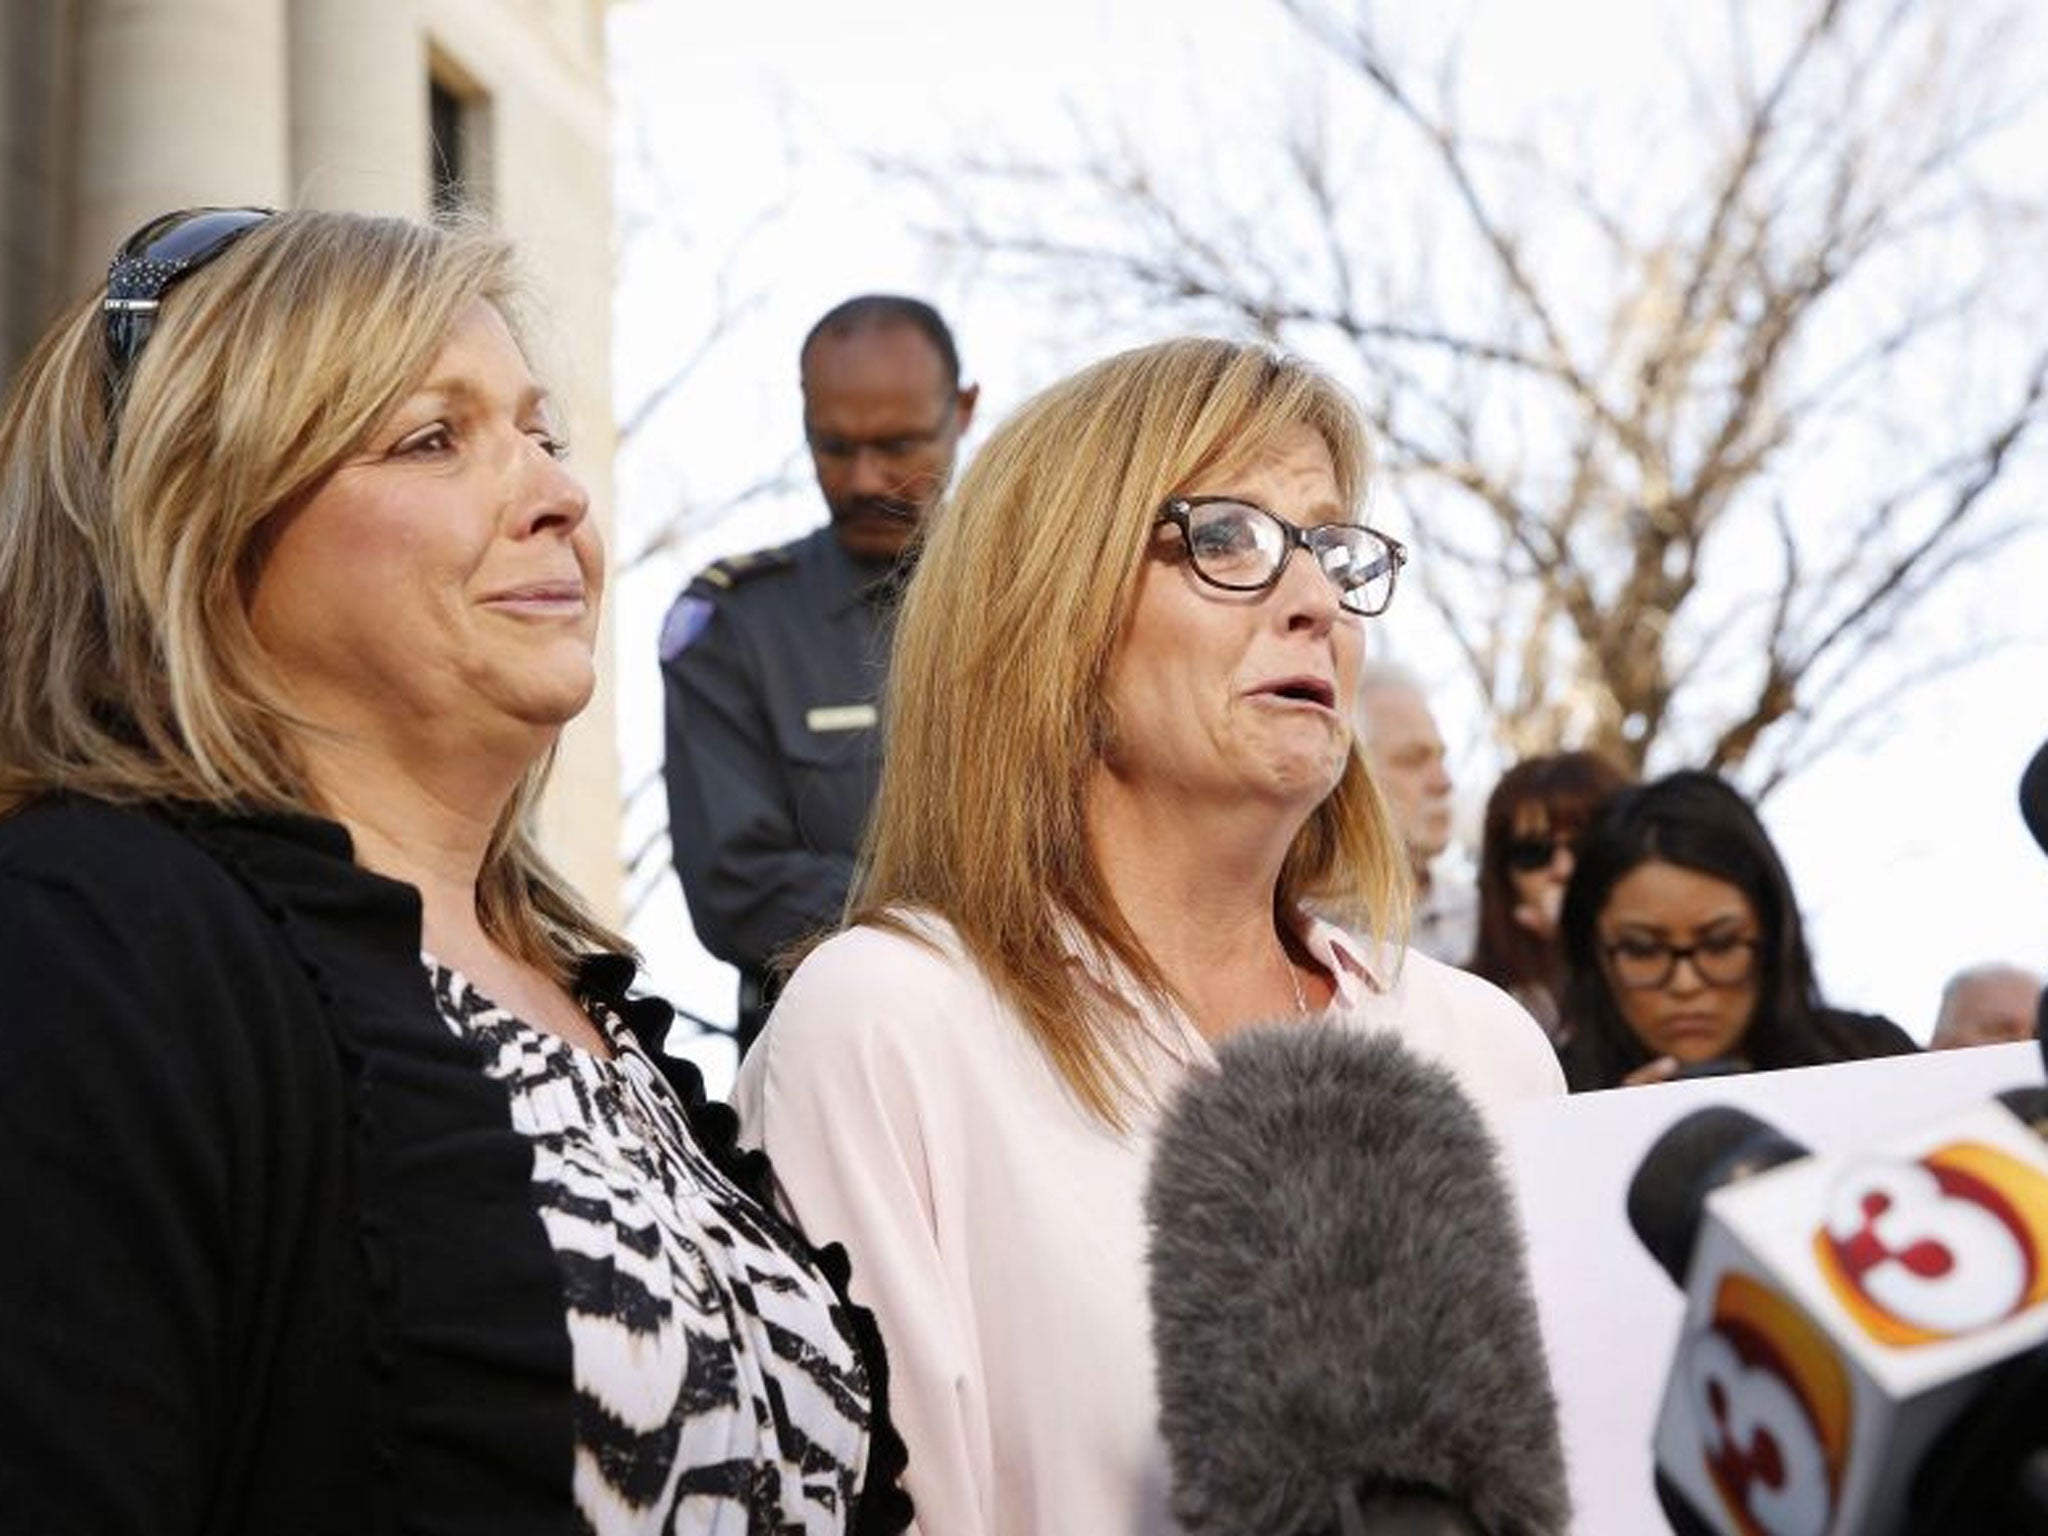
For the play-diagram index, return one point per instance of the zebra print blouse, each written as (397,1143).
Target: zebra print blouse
(718,1389)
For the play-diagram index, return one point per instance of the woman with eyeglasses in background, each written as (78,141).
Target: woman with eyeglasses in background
(1684,948)
(1121,783)
(344,1186)
(1533,818)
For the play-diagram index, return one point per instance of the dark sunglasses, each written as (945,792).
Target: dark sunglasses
(166,249)
(1530,854)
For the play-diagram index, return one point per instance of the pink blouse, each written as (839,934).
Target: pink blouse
(996,1226)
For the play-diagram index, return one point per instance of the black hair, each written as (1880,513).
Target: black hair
(1699,822)
(875,311)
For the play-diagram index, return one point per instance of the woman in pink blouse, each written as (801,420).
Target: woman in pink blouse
(1122,815)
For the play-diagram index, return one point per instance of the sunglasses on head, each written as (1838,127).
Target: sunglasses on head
(164,251)
(1530,854)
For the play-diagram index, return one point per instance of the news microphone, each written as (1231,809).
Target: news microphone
(2034,811)
(1692,1159)
(2034,796)
(1344,1333)
(1865,1346)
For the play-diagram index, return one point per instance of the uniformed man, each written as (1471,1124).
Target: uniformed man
(773,662)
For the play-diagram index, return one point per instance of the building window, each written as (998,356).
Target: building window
(445,172)
(458,139)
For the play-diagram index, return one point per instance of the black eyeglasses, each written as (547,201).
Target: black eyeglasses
(166,249)
(1531,854)
(1240,547)
(1721,959)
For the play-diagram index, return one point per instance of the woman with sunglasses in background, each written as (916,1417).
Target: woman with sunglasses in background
(1533,818)
(344,1185)
(1685,951)
(1121,783)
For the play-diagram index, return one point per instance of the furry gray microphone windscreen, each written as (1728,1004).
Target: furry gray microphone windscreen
(1340,1304)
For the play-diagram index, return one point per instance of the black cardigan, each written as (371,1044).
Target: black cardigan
(269,1261)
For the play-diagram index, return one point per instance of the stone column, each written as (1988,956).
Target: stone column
(179,102)
(359,106)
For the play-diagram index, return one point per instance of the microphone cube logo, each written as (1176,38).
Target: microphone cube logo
(1840,1311)
(1772,1406)
(1935,1248)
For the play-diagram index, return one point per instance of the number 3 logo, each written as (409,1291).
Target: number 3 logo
(1772,1408)
(1759,1442)
(1929,1250)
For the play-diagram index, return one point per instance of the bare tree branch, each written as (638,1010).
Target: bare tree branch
(1681,469)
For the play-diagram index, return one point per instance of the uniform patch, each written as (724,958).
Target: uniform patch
(685,622)
(841,717)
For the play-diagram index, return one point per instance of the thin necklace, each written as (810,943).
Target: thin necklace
(1294,979)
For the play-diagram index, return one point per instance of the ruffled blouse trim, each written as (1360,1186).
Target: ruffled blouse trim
(884,1507)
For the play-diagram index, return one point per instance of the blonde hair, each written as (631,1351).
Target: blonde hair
(133,520)
(995,704)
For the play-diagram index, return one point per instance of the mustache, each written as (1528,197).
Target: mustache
(894,508)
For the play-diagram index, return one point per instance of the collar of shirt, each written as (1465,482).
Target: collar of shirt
(851,583)
(1356,966)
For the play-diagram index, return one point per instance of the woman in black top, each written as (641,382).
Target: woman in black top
(1685,950)
(345,1186)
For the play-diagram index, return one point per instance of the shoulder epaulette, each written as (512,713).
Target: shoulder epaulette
(731,570)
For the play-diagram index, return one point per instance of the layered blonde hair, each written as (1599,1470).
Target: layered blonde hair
(996,712)
(134,517)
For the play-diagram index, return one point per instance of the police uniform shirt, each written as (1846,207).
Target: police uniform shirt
(772,667)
